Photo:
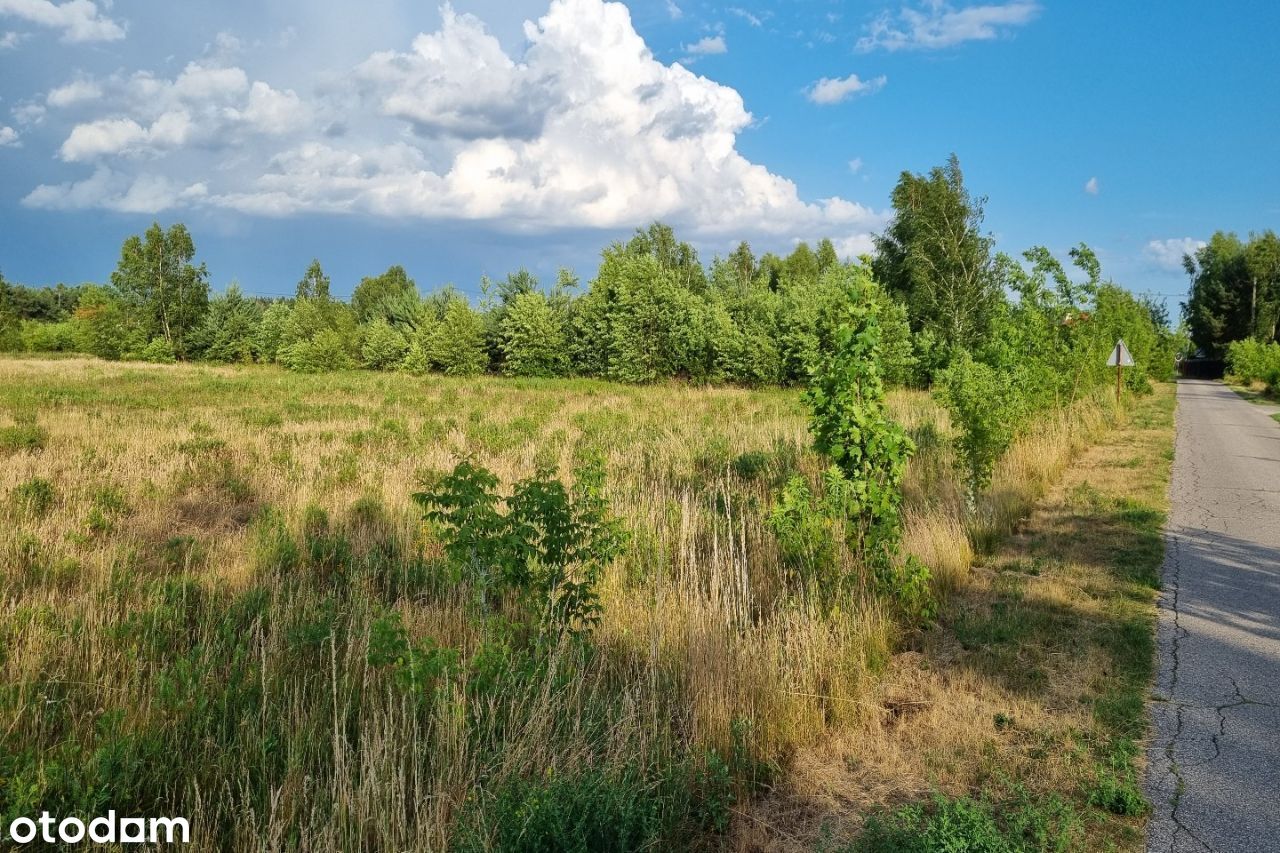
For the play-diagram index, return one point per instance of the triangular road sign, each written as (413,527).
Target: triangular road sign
(1120,356)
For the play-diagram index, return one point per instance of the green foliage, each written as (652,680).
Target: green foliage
(271,331)
(37,336)
(1235,291)
(1253,361)
(806,537)
(10,320)
(158,351)
(627,809)
(35,497)
(987,410)
(851,427)
(532,338)
(1023,824)
(417,667)
(935,258)
(24,435)
(101,326)
(541,549)
(384,347)
(381,297)
(456,344)
(166,295)
(326,350)
(232,330)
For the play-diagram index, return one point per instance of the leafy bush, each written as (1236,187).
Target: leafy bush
(36,336)
(532,338)
(417,667)
(985,405)
(159,351)
(456,344)
(326,351)
(1252,361)
(384,346)
(851,427)
(544,553)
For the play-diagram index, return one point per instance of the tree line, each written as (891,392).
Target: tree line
(1233,312)
(653,311)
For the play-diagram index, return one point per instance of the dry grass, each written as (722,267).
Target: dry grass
(160,477)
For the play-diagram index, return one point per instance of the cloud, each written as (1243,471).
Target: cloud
(8,137)
(937,24)
(1092,187)
(10,40)
(206,104)
(855,165)
(674,11)
(73,93)
(78,20)
(707,46)
(834,90)
(1168,254)
(456,82)
(752,19)
(582,128)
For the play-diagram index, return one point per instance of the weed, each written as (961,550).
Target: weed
(35,497)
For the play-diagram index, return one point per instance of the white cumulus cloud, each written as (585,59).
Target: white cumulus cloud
(937,24)
(77,20)
(834,90)
(73,93)
(8,137)
(1092,187)
(581,128)
(1168,254)
(707,46)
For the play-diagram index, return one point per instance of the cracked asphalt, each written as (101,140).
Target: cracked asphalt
(1213,774)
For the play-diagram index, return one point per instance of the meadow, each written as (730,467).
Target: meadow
(221,601)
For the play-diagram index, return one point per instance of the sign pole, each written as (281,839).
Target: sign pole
(1119,371)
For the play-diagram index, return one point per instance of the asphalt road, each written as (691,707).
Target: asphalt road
(1214,760)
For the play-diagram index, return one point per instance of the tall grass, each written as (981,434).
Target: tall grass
(201,564)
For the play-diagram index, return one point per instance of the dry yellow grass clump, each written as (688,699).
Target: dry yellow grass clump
(199,562)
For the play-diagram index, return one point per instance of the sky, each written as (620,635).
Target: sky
(480,137)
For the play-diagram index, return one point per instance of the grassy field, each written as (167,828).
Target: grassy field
(220,602)
(1016,722)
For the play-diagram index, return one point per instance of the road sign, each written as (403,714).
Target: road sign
(1120,356)
(1120,359)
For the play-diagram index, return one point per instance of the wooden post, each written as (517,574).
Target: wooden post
(1119,371)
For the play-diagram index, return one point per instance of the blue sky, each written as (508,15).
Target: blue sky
(460,141)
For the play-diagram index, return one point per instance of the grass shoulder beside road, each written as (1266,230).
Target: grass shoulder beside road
(1016,722)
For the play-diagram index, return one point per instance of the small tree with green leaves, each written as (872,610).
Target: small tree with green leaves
(540,551)
(868,450)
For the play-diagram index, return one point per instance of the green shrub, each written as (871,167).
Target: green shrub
(159,351)
(34,497)
(987,409)
(1252,361)
(25,435)
(544,553)
(384,346)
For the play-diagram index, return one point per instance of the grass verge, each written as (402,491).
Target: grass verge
(1014,723)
